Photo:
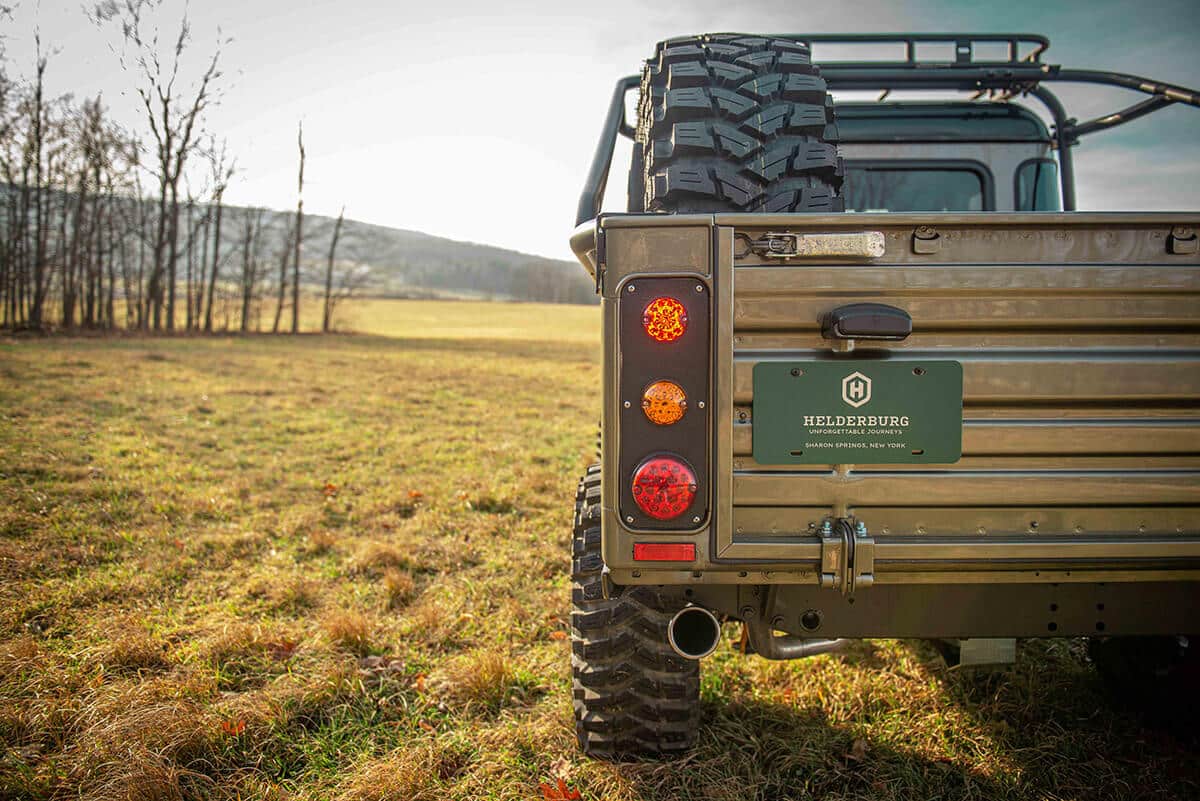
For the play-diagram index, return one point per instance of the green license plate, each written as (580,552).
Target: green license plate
(858,412)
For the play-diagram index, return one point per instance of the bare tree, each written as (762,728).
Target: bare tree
(174,121)
(285,251)
(299,237)
(251,232)
(34,150)
(222,172)
(327,312)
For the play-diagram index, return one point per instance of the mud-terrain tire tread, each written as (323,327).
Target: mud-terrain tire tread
(633,696)
(733,123)
(1157,676)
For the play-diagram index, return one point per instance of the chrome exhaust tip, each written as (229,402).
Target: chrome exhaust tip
(694,632)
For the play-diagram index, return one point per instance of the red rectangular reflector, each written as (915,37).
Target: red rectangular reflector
(664,551)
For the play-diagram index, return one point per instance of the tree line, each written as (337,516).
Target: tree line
(105,227)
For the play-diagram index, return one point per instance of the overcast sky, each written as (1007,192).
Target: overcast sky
(477,120)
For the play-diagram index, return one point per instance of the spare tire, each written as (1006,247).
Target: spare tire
(733,122)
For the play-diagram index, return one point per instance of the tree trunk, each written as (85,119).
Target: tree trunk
(327,314)
(172,253)
(299,234)
(216,257)
(283,261)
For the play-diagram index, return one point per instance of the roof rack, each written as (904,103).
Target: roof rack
(964,45)
(1017,74)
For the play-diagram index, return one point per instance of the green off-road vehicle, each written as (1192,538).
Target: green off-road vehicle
(868,374)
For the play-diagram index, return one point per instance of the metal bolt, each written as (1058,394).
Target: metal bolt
(628,404)
(696,519)
(629,288)
(827,527)
(700,404)
(699,287)
(860,529)
(797,372)
(629,519)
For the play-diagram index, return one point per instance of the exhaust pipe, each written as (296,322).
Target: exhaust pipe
(694,632)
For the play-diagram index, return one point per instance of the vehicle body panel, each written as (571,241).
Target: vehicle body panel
(1079,339)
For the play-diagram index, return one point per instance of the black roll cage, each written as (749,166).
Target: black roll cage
(1018,74)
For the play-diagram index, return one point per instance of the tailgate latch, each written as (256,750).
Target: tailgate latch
(847,555)
(1183,241)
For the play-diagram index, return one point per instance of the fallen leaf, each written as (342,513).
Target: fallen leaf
(416,494)
(233,727)
(426,726)
(329,490)
(419,682)
(560,792)
(558,635)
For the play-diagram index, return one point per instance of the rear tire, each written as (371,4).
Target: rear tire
(1158,676)
(633,696)
(732,122)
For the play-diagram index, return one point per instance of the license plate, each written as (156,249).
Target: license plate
(857,412)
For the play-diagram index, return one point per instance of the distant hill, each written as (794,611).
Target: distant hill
(383,261)
(405,263)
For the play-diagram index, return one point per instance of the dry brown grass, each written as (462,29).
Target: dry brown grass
(321,541)
(128,646)
(479,680)
(399,586)
(374,558)
(297,594)
(416,773)
(349,630)
(136,739)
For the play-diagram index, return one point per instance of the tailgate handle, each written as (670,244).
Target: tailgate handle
(866,321)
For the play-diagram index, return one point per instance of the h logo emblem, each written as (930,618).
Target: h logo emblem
(856,390)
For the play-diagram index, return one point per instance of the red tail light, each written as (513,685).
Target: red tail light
(664,487)
(665,319)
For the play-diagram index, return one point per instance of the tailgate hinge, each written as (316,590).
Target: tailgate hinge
(847,555)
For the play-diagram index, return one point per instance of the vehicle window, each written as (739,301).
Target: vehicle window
(913,188)
(1037,186)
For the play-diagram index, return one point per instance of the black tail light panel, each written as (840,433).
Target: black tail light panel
(685,361)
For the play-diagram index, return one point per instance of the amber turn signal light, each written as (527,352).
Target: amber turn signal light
(664,487)
(664,403)
(665,319)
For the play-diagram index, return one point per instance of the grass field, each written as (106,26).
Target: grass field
(337,567)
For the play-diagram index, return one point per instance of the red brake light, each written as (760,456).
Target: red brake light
(665,319)
(663,487)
